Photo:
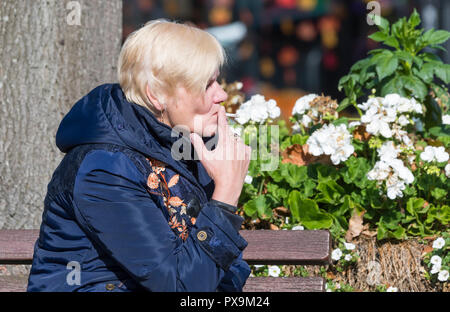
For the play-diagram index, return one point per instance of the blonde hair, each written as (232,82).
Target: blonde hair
(164,55)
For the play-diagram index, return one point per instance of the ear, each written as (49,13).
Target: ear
(156,103)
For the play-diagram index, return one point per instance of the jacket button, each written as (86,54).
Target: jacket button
(202,236)
(110,287)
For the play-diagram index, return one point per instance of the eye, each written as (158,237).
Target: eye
(210,84)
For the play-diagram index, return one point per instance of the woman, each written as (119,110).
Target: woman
(121,212)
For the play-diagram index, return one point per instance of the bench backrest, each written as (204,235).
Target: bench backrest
(264,247)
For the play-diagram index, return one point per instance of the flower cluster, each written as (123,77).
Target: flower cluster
(438,259)
(264,270)
(432,153)
(389,115)
(311,108)
(333,141)
(344,255)
(391,170)
(257,110)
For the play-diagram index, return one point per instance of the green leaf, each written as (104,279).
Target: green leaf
(387,65)
(414,205)
(379,36)
(437,37)
(443,72)
(392,42)
(438,193)
(307,212)
(416,86)
(427,72)
(299,139)
(309,188)
(343,105)
(404,56)
(258,206)
(393,85)
(330,191)
(414,19)
(293,174)
(384,232)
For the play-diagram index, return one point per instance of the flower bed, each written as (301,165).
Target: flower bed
(377,181)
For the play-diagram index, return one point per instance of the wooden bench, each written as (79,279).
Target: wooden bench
(264,247)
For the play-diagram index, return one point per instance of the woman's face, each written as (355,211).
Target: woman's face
(198,113)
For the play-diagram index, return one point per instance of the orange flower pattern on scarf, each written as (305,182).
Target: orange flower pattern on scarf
(179,221)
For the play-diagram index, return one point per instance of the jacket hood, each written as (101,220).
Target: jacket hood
(105,116)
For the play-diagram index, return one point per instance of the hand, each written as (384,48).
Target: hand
(227,164)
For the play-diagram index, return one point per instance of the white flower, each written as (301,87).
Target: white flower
(447,170)
(391,100)
(436,260)
(258,113)
(440,154)
(443,276)
(348,257)
(302,104)
(432,153)
(435,269)
(392,289)
(354,124)
(395,190)
(306,120)
(438,243)
(388,151)
(380,171)
(274,271)
(427,154)
(446,119)
(349,246)
(333,141)
(403,121)
(248,179)
(242,116)
(272,108)
(336,254)
(257,110)
(298,228)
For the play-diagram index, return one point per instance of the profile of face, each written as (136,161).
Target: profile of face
(199,114)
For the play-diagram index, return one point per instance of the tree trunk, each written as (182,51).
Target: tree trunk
(51,53)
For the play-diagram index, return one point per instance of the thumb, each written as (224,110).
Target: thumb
(198,144)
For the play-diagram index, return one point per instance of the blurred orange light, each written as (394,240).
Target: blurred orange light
(267,67)
(306,31)
(220,16)
(288,56)
(306,5)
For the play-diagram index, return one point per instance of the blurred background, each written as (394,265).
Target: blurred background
(284,49)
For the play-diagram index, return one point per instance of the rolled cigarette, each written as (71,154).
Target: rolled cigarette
(230,115)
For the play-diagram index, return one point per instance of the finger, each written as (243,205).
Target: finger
(222,124)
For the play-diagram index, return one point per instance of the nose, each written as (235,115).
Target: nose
(220,94)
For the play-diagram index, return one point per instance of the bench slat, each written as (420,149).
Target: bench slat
(13,283)
(287,247)
(16,246)
(284,284)
(264,246)
(253,284)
